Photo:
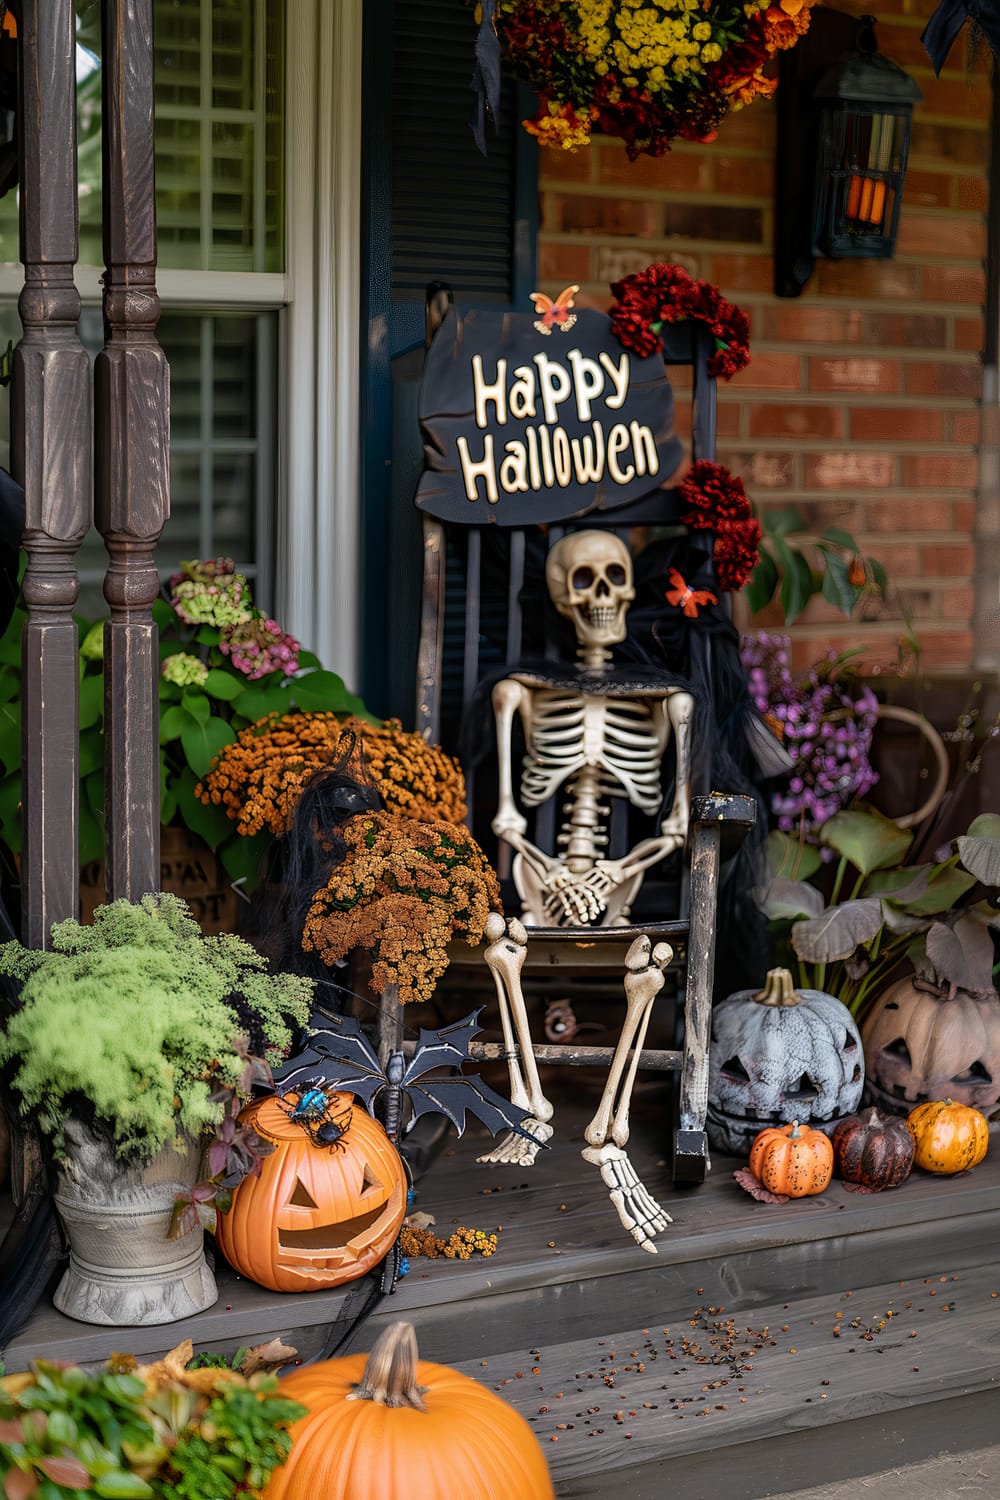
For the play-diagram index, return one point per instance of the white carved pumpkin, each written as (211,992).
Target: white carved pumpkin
(778,1055)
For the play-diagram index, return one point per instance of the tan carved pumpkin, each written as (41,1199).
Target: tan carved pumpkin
(317,1215)
(922,1045)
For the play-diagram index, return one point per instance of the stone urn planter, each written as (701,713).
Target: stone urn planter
(122,1268)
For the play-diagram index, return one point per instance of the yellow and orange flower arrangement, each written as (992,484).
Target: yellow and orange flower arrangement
(646,72)
(411,877)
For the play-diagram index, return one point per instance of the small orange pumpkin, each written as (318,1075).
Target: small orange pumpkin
(317,1215)
(392,1426)
(948,1137)
(792,1159)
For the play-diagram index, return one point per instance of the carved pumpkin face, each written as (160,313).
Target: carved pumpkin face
(317,1215)
(778,1056)
(920,1045)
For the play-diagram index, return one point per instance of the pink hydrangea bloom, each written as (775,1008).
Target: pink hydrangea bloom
(259,647)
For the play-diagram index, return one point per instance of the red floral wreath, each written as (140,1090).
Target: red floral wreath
(713,499)
(667,294)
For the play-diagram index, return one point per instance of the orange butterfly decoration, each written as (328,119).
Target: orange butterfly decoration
(688,599)
(555,313)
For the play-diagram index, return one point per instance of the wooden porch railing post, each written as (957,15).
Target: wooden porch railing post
(52,458)
(132,424)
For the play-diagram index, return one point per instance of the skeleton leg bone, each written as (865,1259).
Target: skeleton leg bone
(505,955)
(608,1132)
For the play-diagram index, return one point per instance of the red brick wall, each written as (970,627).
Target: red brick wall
(860,405)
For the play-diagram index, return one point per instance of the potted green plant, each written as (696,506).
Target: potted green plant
(877,916)
(833,566)
(173,1430)
(127,1042)
(223,665)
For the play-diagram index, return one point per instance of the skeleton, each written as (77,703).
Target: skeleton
(591,746)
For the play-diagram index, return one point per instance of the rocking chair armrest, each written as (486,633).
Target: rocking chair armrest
(734,812)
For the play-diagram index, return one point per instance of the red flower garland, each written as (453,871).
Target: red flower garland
(713,499)
(667,294)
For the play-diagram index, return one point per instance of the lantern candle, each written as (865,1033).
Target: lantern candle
(865,200)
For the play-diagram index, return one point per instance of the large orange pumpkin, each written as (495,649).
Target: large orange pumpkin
(948,1137)
(317,1215)
(393,1426)
(792,1159)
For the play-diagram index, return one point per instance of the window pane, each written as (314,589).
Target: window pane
(220,107)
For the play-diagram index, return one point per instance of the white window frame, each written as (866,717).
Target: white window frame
(315,528)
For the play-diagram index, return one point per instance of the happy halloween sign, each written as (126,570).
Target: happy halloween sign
(524,421)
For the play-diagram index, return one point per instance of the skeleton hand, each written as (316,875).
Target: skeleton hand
(606,876)
(569,899)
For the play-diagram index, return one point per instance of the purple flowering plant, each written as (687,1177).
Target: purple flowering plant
(853,897)
(825,719)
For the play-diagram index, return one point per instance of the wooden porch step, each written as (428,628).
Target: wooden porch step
(566,1277)
(634,1406)
(564,1263)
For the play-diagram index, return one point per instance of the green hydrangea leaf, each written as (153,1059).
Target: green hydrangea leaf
(224,685)
(202,743)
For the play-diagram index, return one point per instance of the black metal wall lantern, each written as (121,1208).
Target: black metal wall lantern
(844,137)
(866,111)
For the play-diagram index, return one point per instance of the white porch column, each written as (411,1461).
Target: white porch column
(318,532)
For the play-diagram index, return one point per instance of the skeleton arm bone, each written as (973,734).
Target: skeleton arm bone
(509,698)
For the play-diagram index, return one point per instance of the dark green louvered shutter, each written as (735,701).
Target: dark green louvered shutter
(437,210)
(453,210)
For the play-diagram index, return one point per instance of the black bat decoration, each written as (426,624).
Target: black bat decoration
(341,1057)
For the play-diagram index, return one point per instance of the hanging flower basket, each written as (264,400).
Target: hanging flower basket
(649,73)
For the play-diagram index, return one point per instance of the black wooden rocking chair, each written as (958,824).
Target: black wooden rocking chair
(478,617)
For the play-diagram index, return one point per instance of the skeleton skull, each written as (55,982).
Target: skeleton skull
(589,578)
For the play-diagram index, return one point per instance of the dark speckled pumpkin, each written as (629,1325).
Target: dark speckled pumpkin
(873,1150)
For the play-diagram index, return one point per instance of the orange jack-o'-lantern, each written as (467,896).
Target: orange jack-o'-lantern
(318,1214)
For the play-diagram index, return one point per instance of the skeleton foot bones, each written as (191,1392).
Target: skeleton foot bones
(637,1209)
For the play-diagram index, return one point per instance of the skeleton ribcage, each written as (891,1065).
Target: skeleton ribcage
(570,731)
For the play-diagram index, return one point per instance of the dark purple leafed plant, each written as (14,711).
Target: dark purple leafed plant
(826,720)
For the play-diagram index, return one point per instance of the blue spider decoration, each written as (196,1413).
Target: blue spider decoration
(314,1113)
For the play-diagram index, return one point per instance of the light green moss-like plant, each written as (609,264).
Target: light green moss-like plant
(130,1016)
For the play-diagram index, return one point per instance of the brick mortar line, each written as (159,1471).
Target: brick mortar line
(767,497)
(575,187)
(595,239)
(809,444)
(811,398)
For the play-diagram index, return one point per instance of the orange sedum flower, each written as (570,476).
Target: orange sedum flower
(403,890)
(259,778)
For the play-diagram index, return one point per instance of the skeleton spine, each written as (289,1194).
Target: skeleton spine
(579,834)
